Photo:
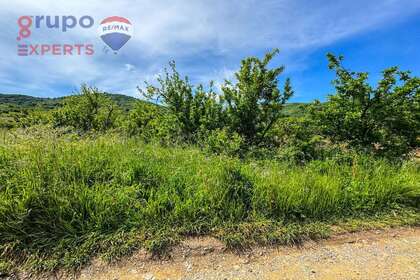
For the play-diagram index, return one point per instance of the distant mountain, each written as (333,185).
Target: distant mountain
(295,109)
(25,101)
(14,101)
(17,107)
(17,102)
(124,101)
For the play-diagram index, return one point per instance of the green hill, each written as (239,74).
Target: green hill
(295,109)
(14,107)
(13,101)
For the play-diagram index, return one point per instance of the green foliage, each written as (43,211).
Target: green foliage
(384,119)
(295,109)
(90,110)
(249,107)
(16,101)
(254,103)
(154,124)
(221,141)
(16,115)
(270,172)
(195,109)
(243,235)
(299,140)
(29,102)
(25,111)
(63,201)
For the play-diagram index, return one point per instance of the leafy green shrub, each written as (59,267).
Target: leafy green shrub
(253,104)
(383,120)
(194,108)
(90,110)
(154,124)
(220,141)
(249,107)
(15,116)
(299,140)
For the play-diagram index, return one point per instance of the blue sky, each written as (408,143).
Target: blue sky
(208,39)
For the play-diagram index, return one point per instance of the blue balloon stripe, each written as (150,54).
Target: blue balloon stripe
(115,40)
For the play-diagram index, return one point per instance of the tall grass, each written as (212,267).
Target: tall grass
(62,201)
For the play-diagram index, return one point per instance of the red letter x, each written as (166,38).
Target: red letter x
(33,49)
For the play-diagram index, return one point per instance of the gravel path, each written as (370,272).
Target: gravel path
(392,254)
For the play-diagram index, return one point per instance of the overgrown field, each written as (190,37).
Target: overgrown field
(65,199)
(95,174)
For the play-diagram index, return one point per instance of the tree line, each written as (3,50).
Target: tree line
(246,116)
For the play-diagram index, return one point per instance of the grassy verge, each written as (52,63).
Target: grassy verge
(63,201)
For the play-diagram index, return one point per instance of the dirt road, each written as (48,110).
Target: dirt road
(392,254)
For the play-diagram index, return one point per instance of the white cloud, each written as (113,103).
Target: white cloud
(129,67)
(207,36)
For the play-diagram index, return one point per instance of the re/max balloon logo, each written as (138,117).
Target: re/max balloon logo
(115,31)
